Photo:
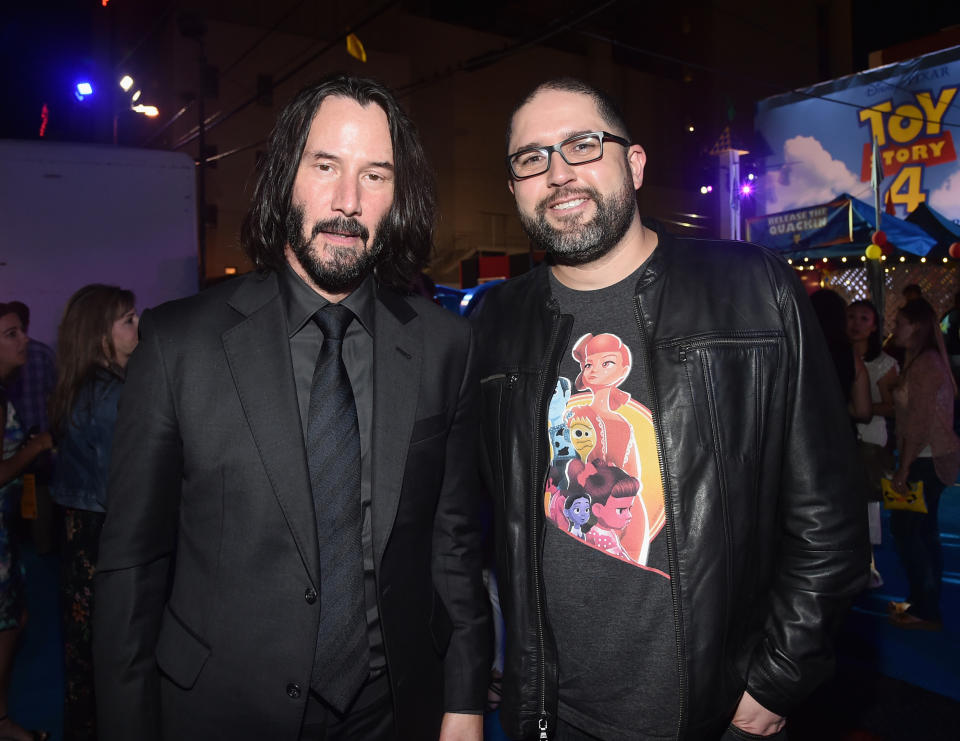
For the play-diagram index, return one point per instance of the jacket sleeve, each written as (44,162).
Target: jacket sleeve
(104,424)
(136,547)
(457,556)
(823,555)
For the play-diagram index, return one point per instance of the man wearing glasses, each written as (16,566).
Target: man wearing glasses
(679,531)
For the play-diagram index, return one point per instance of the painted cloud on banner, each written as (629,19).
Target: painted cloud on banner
(946,198)
(809,176)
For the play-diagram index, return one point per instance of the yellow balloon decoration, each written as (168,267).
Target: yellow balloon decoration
(873,252)
(355,48)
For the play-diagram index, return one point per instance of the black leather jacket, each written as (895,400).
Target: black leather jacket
(766,535)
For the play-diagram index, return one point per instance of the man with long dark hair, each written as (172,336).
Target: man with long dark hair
(291,548)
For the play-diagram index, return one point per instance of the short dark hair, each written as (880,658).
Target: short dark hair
(408,226)
(606,105)
(21,310)
(912,288)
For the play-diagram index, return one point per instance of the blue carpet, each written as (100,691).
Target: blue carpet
(926,659)
(892,684)
(36,690)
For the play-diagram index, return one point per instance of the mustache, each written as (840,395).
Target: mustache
(341,225)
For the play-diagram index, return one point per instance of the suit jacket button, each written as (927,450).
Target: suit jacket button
(293,690)
(310,595)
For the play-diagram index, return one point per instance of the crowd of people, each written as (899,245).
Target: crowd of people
(69,400)
(904,386)
(270,493)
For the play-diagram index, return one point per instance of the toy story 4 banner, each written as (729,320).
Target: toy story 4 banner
(821,138)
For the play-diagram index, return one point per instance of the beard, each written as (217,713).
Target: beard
(345,266)
(582,241)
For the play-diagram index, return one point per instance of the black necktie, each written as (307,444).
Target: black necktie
(342,658)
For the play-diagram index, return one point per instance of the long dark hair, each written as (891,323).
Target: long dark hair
(874,342)
(919,311)
(408,227)
(85,345)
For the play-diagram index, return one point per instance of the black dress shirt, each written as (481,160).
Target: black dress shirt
(300,303)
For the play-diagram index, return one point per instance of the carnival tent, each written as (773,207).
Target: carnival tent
(937,226)
(841,228)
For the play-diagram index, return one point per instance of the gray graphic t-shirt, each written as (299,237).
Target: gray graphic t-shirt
(606,576)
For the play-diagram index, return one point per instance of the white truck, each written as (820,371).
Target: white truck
(72,214)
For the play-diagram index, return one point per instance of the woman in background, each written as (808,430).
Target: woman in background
(929,453)
(17,453)
(863,329)
(97,334)
(831,311)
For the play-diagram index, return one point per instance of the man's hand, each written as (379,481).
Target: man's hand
(461,727)
(752,717)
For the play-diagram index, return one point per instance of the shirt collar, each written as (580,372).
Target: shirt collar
(301,302)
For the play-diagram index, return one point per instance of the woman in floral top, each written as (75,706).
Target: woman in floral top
(929,453)
(97,334)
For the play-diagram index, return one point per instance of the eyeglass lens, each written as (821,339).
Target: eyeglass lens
(576,151)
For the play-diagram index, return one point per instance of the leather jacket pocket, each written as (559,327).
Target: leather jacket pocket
(180,654)
(719,368)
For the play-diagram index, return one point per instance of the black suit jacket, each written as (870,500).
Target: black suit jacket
(204,626)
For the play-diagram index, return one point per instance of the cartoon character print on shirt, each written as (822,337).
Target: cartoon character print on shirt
(604,486)
(561,446)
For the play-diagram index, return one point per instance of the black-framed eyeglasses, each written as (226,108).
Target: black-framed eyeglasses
(577,150)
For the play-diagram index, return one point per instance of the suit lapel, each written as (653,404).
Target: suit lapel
(397,356)
(258,352)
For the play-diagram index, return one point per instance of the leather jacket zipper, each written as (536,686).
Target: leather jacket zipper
(536,504)
(751,339)
(671,535)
